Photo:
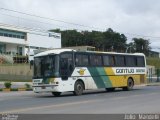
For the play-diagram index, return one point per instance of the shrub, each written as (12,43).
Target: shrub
(154,62)
(28,86)
(8,84)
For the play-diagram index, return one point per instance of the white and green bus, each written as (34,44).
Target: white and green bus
(64,70)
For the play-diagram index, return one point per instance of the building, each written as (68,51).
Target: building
(154,54)
(15,40)
(82,48)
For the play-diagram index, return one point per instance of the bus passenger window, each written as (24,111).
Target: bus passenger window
(95,60)
(81,60)
(140,62)
(111,60)
(130,61)
(120,60)
(106,60)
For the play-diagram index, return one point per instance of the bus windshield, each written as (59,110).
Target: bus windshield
(46,66)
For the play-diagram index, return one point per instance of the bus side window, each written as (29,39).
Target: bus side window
(95,60)
(106,60)
(120,61)
(112,61)
(131,61)
(140,62)
(81,60)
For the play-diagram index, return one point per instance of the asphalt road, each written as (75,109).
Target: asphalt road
(143,99)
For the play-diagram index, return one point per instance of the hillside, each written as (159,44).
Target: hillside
(154,62)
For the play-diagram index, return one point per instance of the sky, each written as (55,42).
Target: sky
(134,18)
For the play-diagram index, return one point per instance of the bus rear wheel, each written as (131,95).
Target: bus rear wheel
(57,94)
(130,85)
(78,88)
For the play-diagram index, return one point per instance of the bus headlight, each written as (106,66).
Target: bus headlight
(52,80)
(57,82)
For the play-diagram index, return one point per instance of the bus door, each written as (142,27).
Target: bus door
(66,65)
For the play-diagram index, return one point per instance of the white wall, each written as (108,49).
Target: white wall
(43,41)
(29,51)
(13,48)
(12,40)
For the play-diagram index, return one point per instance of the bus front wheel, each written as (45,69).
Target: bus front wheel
(130,85)
(78,88)
(57,94)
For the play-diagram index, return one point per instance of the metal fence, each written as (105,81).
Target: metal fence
(4,58)
(153,75)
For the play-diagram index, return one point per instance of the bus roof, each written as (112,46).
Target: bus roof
(54,51)
(58,51)
(140,54)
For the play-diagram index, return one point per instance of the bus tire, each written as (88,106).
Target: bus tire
(130,85)
(110,89)
(56,94)
(78,88)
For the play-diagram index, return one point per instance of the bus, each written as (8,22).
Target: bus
(68,70)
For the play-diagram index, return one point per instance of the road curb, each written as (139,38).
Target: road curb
(154,84)
(141,85)
(15,89)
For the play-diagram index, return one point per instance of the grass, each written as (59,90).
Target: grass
(14,89)
(15,64)
(154,62)
(29,89)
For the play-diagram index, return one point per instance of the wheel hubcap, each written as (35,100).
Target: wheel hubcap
(130,84)
(79,87)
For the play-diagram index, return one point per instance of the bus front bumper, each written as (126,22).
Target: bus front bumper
(45,88)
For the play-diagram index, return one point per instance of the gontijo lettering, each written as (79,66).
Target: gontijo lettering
(124,70)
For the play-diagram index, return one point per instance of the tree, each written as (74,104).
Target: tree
(114,41)
(102,41)
(142,45)
(130,48)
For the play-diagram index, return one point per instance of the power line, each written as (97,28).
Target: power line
(29,30)
(38,21)
(81,25)
(143,35)
(32,20)
(75,24)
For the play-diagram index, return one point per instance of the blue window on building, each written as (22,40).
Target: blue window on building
(2,48)
(13,34)
(20,50)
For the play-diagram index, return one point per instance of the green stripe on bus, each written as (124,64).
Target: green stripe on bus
(104,77)
(96,77)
